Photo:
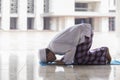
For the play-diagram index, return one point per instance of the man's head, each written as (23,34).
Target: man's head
(50,56)
(47,55)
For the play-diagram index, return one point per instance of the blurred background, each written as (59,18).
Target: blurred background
(28,25)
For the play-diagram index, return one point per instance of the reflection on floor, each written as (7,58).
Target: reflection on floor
(76,73)
(29,69)
(19,60)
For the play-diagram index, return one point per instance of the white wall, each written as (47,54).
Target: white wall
(111,5)
(69,21)
(118,23)
(104,9)
(38,14)
(104,6)
(53,23)
(62,6)
(96,24)
(61,23)
(97,9)
(22,15)
(5,9)
(118,18)
(104,27)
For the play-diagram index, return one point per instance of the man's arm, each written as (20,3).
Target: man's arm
(67,59)
(69,56)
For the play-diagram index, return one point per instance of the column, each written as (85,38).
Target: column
(96,24)
(22,15)
(104,9)
(61,23)
(104,24)
(54,23)
(69,21)
(5,13)
(118,17)
(118,23)
(38,14)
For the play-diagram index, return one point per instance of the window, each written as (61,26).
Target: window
(81,6)
(13,23)
(46,6)
(111,24)
(0,6)
(30,6)
(114,2)
(112,10)
(84,20)
(46,23)
(30,23)
(13,6)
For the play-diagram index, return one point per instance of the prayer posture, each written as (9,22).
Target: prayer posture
(75,43)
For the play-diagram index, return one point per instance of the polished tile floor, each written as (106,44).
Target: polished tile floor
(19,58)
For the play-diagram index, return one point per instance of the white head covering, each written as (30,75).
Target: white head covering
(86,30)
(42,55)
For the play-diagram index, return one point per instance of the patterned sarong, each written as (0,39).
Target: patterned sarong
(86,56)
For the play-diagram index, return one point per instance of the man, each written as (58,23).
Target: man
(68,42)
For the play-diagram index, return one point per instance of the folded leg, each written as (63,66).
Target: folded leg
(95,56)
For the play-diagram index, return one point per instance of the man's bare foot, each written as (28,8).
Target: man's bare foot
(108,56)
